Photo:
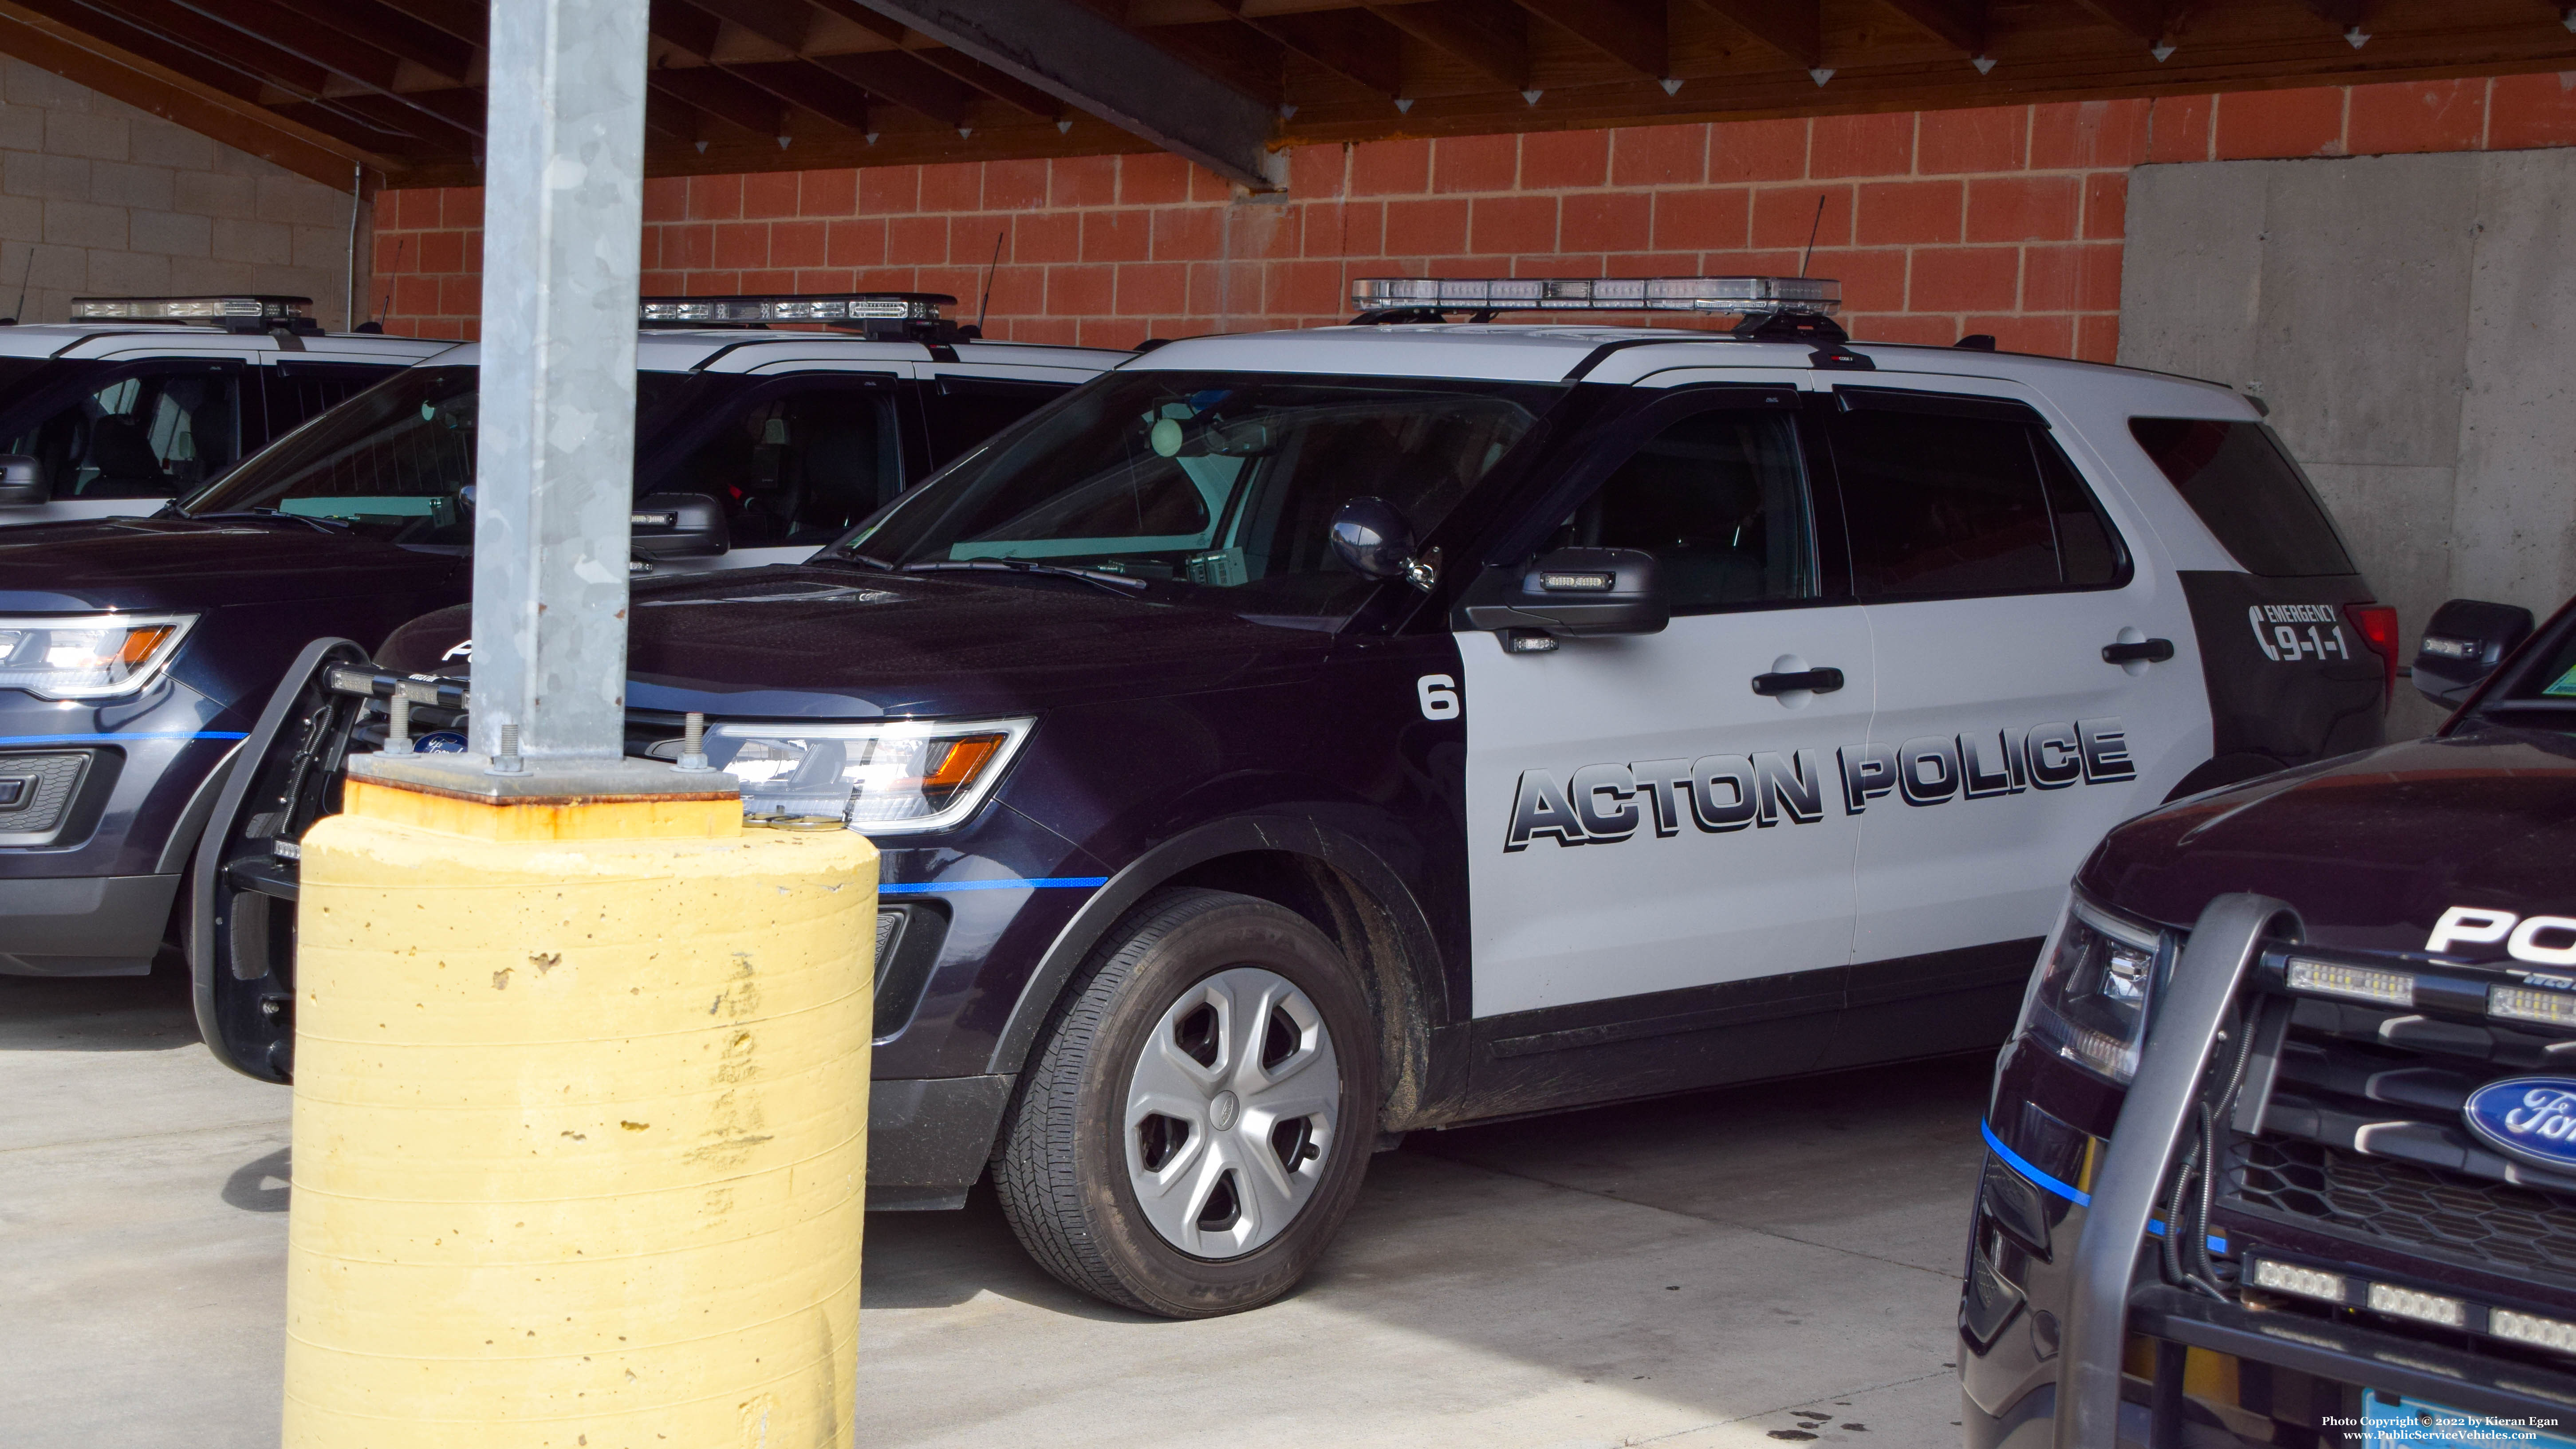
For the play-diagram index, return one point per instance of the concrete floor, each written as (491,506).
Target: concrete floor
(1733,1268)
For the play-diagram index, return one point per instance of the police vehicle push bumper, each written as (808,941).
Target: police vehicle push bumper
(2300,1160)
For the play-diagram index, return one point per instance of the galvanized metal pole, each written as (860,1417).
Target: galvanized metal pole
(562,213)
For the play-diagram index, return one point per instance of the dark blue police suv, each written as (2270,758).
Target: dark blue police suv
(2316,1036)
(1284,740)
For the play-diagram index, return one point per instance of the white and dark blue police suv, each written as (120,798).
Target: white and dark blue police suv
(1286,740)
(139,400)
(135,653)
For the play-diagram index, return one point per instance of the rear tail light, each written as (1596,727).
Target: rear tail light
(2377,626)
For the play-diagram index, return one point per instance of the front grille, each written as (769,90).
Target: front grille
(36,790)
(2511,1230)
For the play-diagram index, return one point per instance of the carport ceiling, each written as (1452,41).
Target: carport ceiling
(394,86)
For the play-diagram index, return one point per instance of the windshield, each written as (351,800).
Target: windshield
(1213,480)
(396,461)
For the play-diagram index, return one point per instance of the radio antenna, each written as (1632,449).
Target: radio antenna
(386,308)
(986,305)
(23,273)
(1812,228)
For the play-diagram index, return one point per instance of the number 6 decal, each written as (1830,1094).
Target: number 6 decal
(1439,696)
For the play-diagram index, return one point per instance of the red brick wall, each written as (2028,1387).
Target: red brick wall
(2005,220)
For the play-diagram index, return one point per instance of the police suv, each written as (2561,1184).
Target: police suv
(139,400)
(1291,739)
(136,652)
(2311,1041)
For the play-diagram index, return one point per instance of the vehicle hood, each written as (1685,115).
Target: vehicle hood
(2370,848)
(179,563)
(793,642)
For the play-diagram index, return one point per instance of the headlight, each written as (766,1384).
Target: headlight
(93,656)
(2089,1001)
(883,779)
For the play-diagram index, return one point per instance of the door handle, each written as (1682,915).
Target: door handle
(2148,651)
(1821,681)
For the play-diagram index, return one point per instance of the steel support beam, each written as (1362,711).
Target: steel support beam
(1091,62)
(555,452)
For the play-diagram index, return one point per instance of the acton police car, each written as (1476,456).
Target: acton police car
(2332,1017)
(1285,740)
(135,652)
(139,400)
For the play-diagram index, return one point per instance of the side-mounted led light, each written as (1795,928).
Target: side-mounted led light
(90,656)
(255,309)
(1716,295)
(820,307)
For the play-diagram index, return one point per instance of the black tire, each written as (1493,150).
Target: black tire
(1063,1166)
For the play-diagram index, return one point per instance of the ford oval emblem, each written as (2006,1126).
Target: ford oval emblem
(2529,1118)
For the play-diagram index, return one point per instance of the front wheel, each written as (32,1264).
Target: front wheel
(1197,1123)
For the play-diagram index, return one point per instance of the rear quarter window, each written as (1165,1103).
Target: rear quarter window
(2246,488)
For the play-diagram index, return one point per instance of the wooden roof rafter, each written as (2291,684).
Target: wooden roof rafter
(768,84)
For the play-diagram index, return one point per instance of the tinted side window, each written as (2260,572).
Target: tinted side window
(2088,548)
(799,465)
(1720,500)
(298,390)
(965,411)
(2242,483)
(153,433)
(1943,505)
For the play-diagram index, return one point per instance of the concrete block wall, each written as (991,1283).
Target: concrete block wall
(99,198)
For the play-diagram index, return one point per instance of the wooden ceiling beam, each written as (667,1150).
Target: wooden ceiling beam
(1963,24)
(1631,32)
(900,78)
(683,25)
(1795,28)
(780,22)
(1490,36)
(191,31)
(1352,44)
(466,20)
(885,26)
(1240,59)
(298,36)
(392,31)
(1001,86)
(2144,20)
(182,99)
(728,98)
(2345,16)
(122,35)
(809,87)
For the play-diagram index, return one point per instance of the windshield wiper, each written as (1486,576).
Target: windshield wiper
(1119,584)
(833,556)
(323,525)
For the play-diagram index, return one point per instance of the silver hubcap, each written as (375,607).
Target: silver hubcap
(1231,1113)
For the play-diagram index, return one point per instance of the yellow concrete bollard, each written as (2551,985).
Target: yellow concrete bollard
(580,1126)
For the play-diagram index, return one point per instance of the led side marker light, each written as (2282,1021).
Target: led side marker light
(2352,983)
(1714,295)
(2300,1282)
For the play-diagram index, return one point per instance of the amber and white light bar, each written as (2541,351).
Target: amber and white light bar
(191,309)
(826,307)
(1731,295)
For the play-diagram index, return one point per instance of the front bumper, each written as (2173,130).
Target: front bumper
(83,925)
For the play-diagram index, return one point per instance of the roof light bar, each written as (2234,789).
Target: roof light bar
(823,307)
(253,309)
(1711,295)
